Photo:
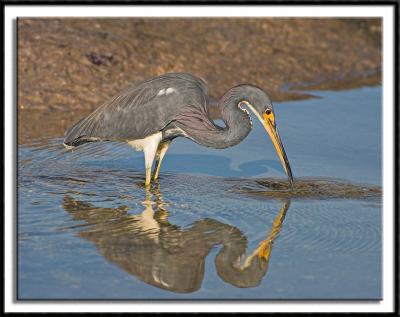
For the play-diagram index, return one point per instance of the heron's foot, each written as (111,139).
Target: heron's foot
(264,250)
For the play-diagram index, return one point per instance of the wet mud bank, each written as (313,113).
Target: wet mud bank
(68,67)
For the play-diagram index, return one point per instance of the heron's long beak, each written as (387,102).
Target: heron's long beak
(269,125)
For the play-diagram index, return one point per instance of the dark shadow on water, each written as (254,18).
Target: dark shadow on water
(165,255)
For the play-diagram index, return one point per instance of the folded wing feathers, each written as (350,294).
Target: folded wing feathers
(114,118)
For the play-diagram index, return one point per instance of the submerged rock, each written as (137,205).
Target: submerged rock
(321,188)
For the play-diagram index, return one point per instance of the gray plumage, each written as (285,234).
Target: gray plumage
(138,111)
(174,104)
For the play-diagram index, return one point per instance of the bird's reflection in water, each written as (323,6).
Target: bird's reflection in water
(164,255)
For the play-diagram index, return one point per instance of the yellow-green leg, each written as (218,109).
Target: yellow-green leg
(150,150)
(162,149)
(148,176)
(149,145)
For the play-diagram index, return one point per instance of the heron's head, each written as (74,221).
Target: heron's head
(260,104)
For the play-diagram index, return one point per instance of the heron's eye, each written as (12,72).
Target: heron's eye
(268,112)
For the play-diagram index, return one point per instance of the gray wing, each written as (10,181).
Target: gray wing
(140,110)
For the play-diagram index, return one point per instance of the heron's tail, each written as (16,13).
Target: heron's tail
(77,135)
(79,141)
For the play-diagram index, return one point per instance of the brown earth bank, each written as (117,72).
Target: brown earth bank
(68,67)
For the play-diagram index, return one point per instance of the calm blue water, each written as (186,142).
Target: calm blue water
(88,229)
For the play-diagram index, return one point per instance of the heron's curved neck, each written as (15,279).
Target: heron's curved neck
(237,123)
(237,120)
(200,128)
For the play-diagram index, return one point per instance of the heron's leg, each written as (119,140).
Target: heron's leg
(148,158)
(149,150)
(162,149)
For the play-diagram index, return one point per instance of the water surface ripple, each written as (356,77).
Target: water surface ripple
(217,225)
(162,237)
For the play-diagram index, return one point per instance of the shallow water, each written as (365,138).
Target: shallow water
(219,224)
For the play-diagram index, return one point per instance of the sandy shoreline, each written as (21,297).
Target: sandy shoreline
(68,67)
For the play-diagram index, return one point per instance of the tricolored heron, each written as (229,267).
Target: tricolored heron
(149,115)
